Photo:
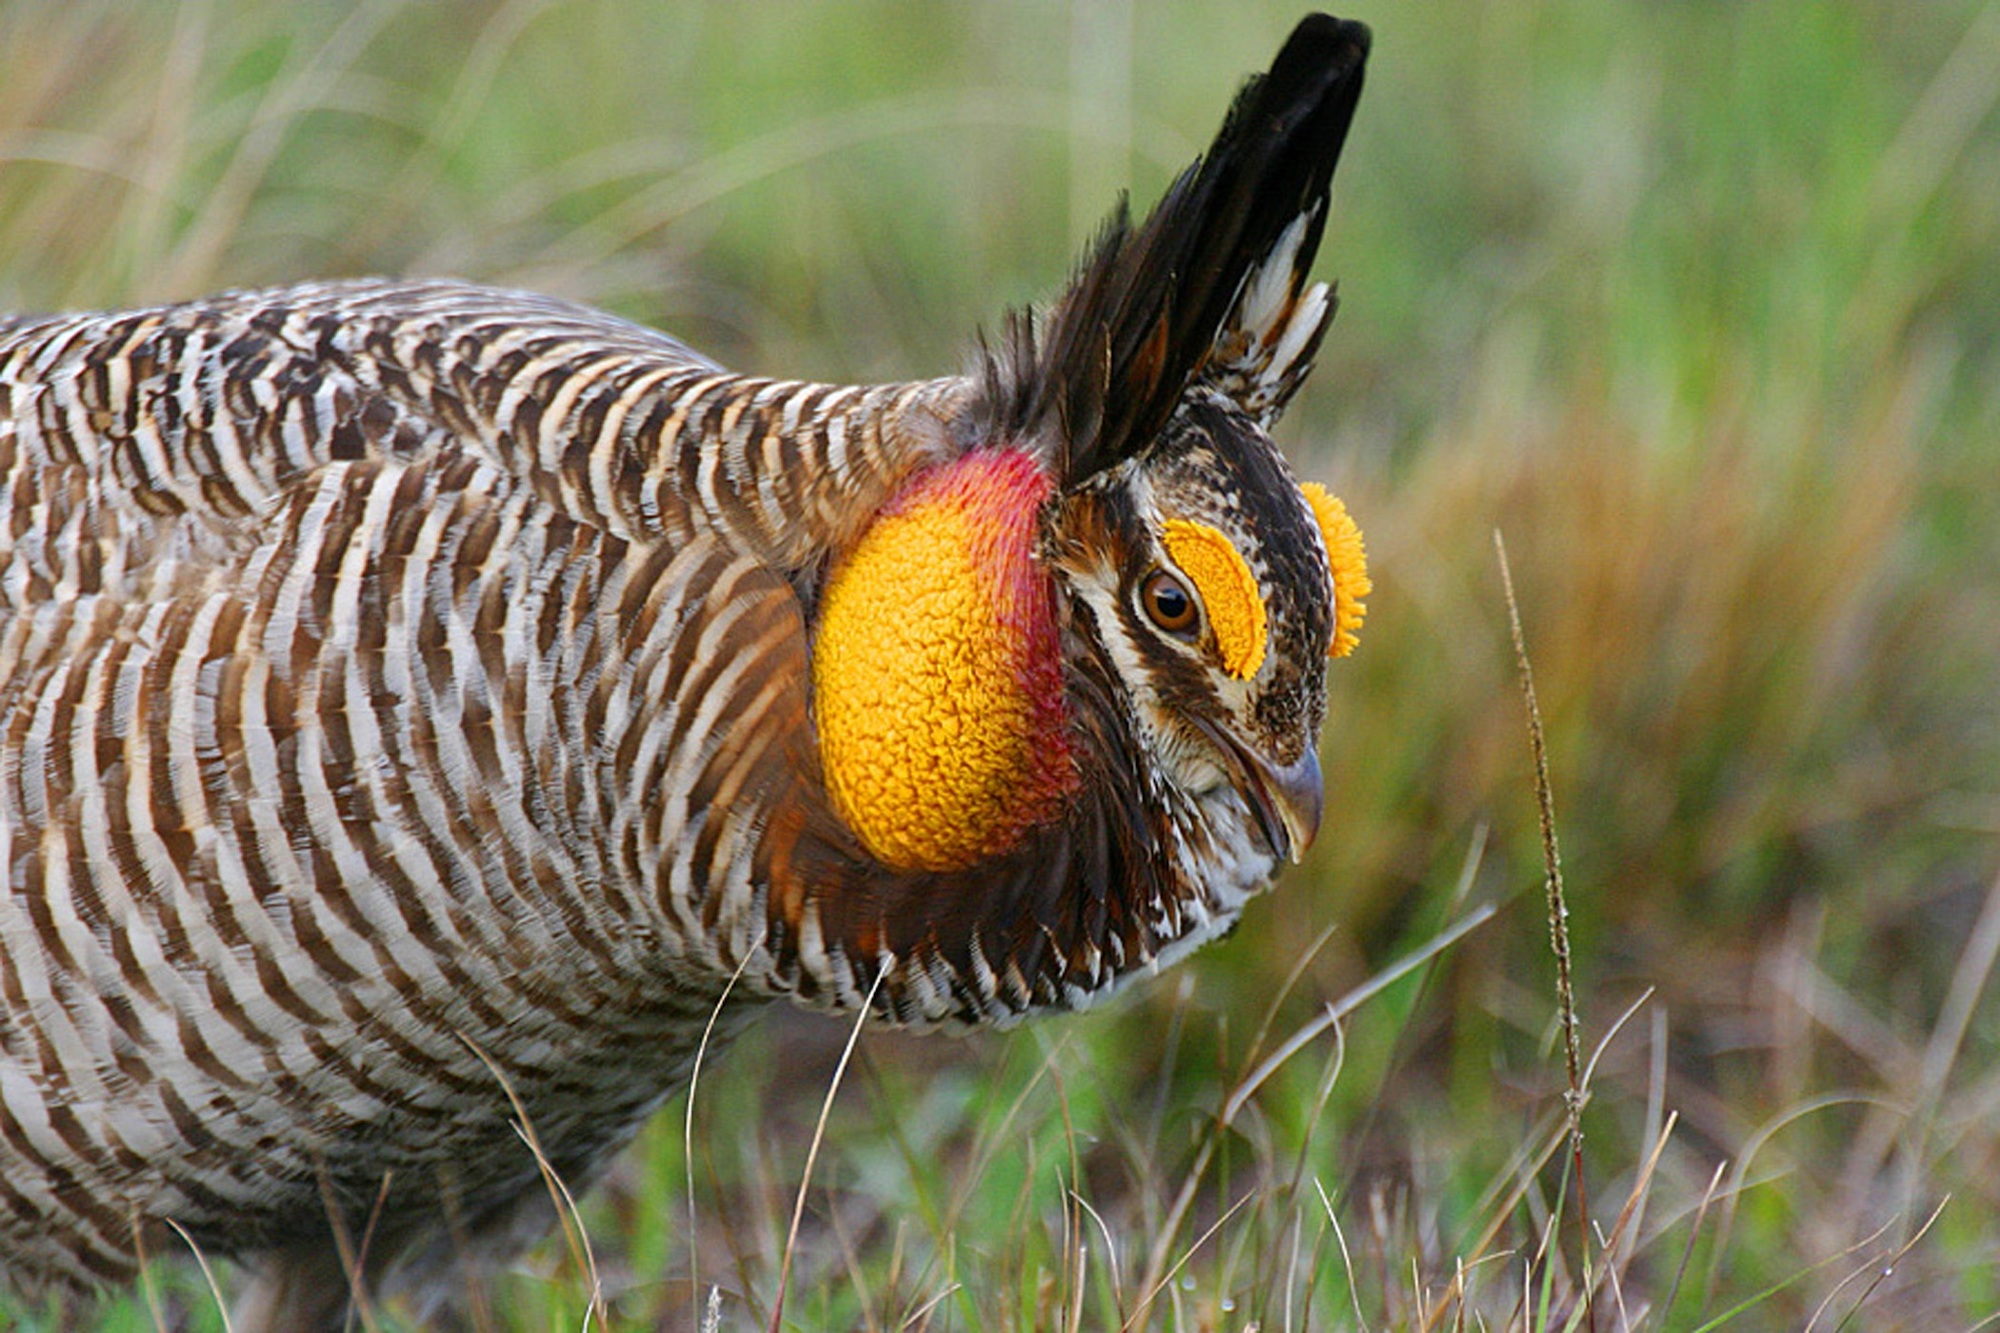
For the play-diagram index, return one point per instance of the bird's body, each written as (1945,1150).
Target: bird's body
(420,702)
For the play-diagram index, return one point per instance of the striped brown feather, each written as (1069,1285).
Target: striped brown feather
(406,722)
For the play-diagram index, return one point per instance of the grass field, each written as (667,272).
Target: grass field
(1697,304)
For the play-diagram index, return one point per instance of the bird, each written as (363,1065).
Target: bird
(421,705)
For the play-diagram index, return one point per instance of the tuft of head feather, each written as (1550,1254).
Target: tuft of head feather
(1209,287)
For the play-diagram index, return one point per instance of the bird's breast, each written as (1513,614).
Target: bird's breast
(938,693)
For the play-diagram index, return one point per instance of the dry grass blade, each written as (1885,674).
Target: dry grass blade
(687,1122)
(1558,916)
(991,1143)
(1882,1269)
(207,1275)
(1757,1298)
(309,82)
(919,1317)
(1346,1258)
(352,1257)
(1299,967)
(148,1287)
(1968,982)
(1110,1254)
(1512,1185)
(1635,1202)
(812,1152)
(575,1237)
(1740,1181)
(1403,1047)
(1110,1241)
(1153,1292)
(1247,1086)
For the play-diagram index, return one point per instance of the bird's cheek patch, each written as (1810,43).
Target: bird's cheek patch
(1228,591)
(1347,557)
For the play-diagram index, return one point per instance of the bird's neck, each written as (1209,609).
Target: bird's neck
(938,689)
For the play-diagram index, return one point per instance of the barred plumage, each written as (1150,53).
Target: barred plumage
(408,707)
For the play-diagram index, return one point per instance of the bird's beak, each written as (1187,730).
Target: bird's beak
(1287,799)
(1291,798)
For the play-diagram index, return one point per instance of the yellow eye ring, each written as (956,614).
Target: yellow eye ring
(1169,604)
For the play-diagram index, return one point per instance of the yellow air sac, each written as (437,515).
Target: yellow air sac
(937,687)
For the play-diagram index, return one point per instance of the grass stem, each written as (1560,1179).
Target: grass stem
(1558,906)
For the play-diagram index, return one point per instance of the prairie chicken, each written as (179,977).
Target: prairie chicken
(418,702)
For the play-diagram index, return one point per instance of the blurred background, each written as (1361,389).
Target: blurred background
(1696,303)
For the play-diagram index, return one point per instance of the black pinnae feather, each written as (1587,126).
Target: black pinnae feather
(1114,356)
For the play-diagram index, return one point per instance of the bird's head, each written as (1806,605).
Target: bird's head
(1206,587)
(1106,620)
(1202,605)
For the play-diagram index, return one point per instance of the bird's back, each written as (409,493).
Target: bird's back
(396,680)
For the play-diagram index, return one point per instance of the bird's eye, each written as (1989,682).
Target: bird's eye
(1168,602)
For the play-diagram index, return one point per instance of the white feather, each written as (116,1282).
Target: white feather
(1307,316)
(1270,285)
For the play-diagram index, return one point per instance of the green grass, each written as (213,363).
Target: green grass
(1699,304)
